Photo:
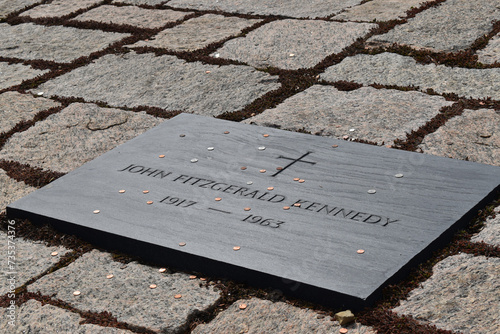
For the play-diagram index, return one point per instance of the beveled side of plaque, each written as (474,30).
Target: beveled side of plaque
(326,220)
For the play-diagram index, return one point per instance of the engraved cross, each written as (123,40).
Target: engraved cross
(294,161)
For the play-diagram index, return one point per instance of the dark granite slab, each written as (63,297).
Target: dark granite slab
(310,250)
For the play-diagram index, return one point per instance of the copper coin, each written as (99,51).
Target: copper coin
(345,137)
(246,209)
(162,270)
(152,286)
(203,279)
(243,168)
(279,168)
(296,179)
(286,208)
(178,296)
(270,188)
(182,244)
(343,330)
(192,277)
(296,204)
(335,146)
(236,248)
(207,72)
(161,156)
(302,181)
(243,306)
(110,276)
(76,293)
(360,251)
(266,135)
(149,202)
(218,199)
(121,191)
(262,170)
(54,253)
(97,211)
(226,132)
(145,191)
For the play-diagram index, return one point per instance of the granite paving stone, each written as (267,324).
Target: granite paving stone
(378,115)
(31,259)
(16,107)
(462,295)
(198,32)
(491,53)
(79,133)
(293,44)
(131,15)
(490,234)
(452,26)
(378,10)
(11,190)
(56,43)
(290,8)
(14,74)
(166,82)
(35,318)
(58,8)
(264,316)
(10,6)
(474,136)
(127,295)
(393,69)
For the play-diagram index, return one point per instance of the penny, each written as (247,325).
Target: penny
(162,270)
(110,276)
(266,135)
(296,179)
(296,204)
(246,209)
(97,211)
(149,202)
(182,244)
(226,132)
(192,277)
(279,168)
(302,181)
(262,170)
(76,293)
(145,191)
(218,199)
(236,248)
(360,251)
(243,168)
(334,146)
(203,279)
(54,253)
(243,306)
(152,286)
(161,156)
(178,296)
(270,188)
(286,208)
(121,191)
(343,330)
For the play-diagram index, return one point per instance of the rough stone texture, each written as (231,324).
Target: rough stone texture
(16,107)
(131,15)
(11,190)
(142,2)
(462,295)
(452,26)
(474,135)
(490,234)
(79,133)
(379,115)
(14,74)
(9,6)
(128,295)
(166,82)
(57,43)
(291,8)
(34,318)
(59,8)
(31,259)
(392,69)
(378,10)
(198,32)
(293,44)
(264,316)
(491,53)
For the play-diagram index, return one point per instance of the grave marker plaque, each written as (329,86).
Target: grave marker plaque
(323,219)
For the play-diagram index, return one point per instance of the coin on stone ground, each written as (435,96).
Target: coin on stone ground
(243,306)
(178,296)
(76,293)
(54,253)
(152,286)
(236,248)
(162,270)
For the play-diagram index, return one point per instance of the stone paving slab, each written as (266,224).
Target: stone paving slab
(290,8)
(198,32)
(131,15)
(16,107)
(9,6)
(462,295)
(31,259)
(128,295)
(490,234)
(56,43)
(378,115)
(264,316)
(166,82)
(491,53)
(378,10)
(11,190)
(293,44)
(79,133)
(452,26)
(393,69)
(59,8)
(35,318)
(474,136)
(14,74)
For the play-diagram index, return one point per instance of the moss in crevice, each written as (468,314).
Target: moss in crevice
(32,176)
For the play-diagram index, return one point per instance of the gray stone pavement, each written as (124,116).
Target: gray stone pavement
(352,93)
